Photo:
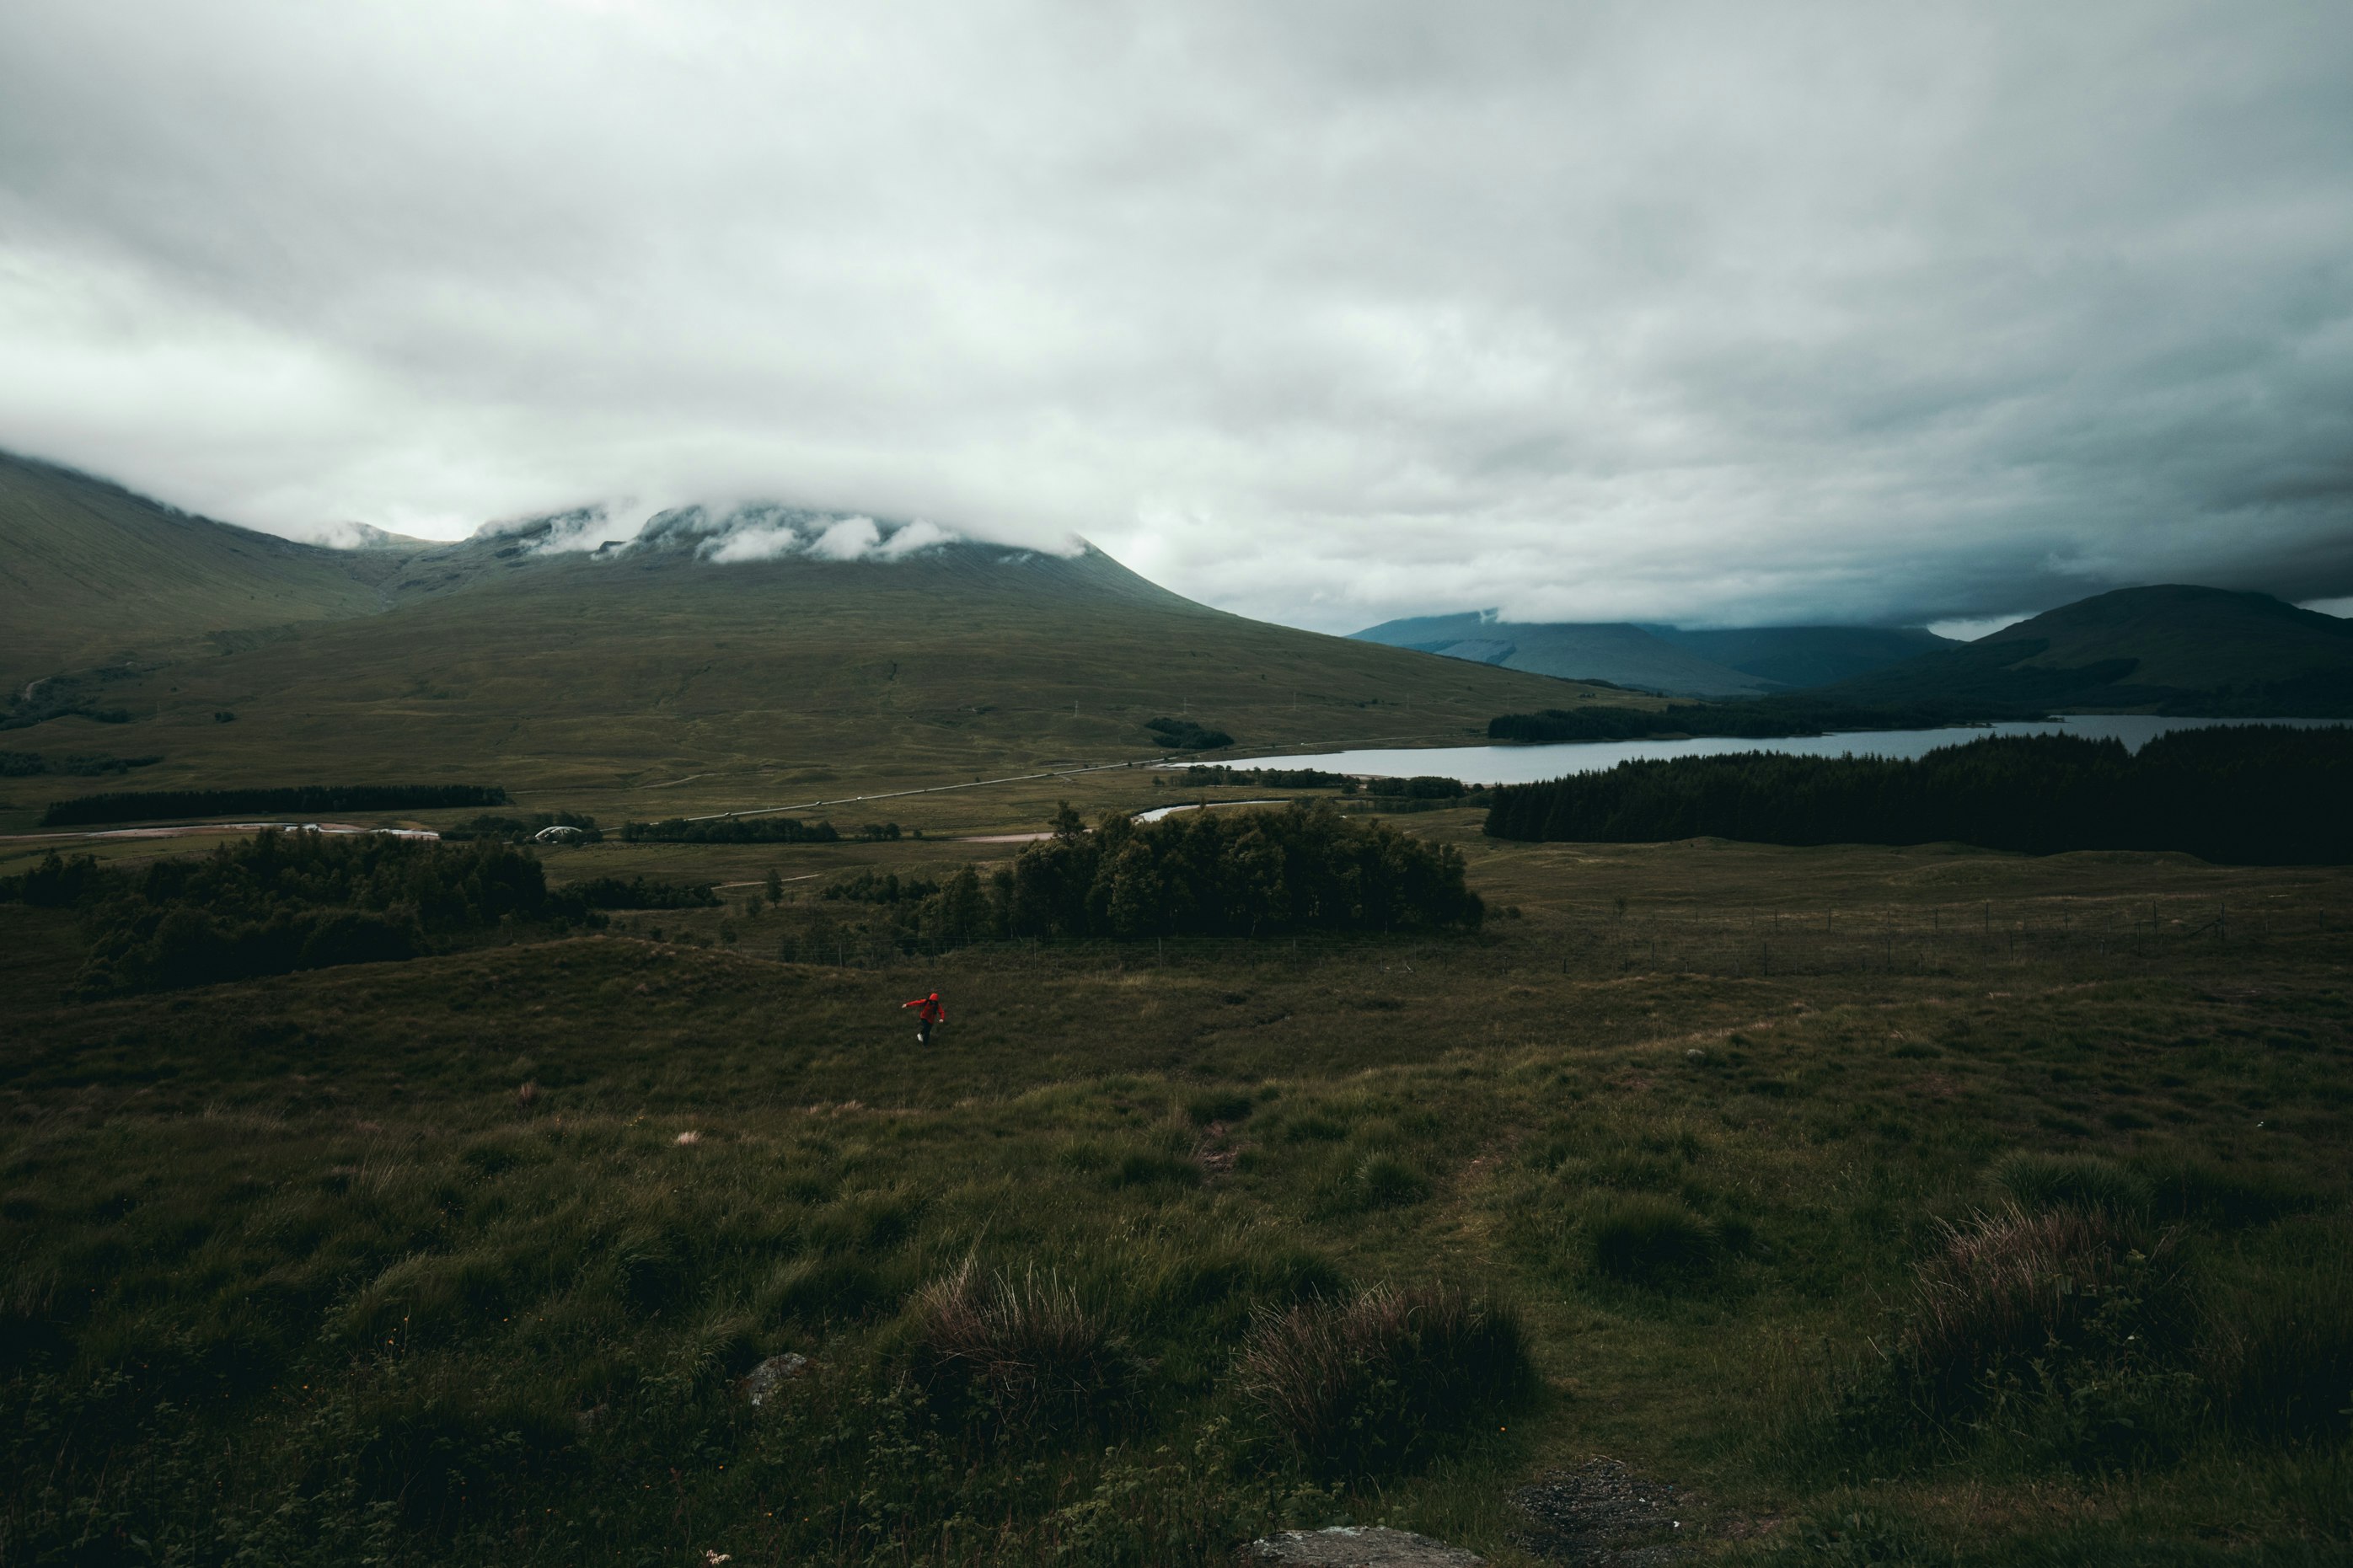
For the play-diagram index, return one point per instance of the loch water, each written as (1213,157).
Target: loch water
(1528,764)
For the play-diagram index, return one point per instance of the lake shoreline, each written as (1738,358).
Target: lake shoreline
(1514,762)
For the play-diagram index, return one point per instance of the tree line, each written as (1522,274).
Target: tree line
(282,901)
(524,829)
(297,800)
(1200,775)
(1755,718)
(28,764)
(2249,794)
(729,830)
(1223,874)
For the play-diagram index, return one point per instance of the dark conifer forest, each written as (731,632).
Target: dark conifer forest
(2252,794)
(296,800)
(279,903)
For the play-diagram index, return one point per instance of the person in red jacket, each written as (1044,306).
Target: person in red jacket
(929,1016)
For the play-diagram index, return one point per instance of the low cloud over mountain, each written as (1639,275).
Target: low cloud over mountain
(1689,311)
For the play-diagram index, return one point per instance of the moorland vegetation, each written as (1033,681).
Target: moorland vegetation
(1887,1236)
(2027,1247)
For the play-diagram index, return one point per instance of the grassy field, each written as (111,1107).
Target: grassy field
(462,1259)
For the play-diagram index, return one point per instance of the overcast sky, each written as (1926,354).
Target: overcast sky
(1326,313)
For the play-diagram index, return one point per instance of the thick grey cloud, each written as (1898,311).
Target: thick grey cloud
(1328,313)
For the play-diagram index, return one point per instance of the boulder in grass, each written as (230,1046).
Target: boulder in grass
(761,1384)
(1358,1546)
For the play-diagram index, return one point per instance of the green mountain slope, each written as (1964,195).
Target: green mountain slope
(88,571)
(2171,649)
(1622,655)
(654,678)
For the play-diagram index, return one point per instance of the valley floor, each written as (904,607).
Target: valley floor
(462,1259)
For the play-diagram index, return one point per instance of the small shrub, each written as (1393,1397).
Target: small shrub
(1187,734)
(2036,1182)
(1026,1347)
(1371,1383)
(1646,1238)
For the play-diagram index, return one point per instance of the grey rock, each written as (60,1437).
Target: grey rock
(761,1384)
(1359,1546)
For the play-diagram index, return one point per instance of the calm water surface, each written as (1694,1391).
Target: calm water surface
(1527,764)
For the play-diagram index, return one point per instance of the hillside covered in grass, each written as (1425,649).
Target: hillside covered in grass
(661,679)
(90,572)
(2171,649)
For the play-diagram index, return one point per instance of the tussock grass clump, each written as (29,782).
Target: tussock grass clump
(815,1291)
(1646,1238)
(2036,1182)
(2009,1288)
(1384,1181)
(1370,1382)
(1024,1346)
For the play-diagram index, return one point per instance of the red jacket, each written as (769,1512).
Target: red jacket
(931,1010)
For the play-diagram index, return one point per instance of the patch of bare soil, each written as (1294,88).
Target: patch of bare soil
(1602,1515)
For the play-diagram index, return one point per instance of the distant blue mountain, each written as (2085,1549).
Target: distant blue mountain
(1738,663)
(1807,656)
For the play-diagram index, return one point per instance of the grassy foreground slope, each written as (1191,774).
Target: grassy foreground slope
(88,571)
(417,1263)
(655,682)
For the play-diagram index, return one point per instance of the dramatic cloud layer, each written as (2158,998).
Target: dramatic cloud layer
(1325,312)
